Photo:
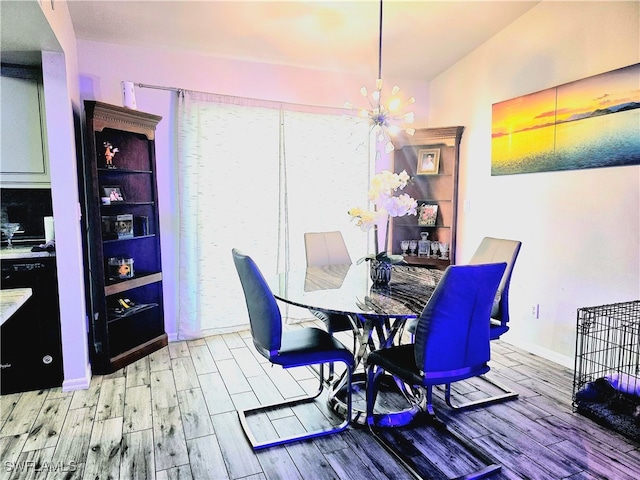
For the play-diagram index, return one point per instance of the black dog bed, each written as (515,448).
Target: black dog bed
(602,403)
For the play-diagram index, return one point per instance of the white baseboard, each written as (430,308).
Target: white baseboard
(172,337)
(560,359)
(81,383)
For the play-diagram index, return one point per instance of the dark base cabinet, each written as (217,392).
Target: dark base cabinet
(31,347)
(123,236)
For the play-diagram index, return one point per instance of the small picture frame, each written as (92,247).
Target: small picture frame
(113,192)
(427,214)
(428,161)
(117,227)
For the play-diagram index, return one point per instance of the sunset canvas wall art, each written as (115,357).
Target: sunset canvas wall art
(589,123)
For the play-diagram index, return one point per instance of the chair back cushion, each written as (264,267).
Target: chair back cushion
(453,330)
(493,250)
(264,314)
(325,248)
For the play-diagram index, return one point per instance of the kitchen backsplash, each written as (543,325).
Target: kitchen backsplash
(28,207)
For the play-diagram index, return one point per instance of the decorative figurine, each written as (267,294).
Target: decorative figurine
(423,245)
(109,153)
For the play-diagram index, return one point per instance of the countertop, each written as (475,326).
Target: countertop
(11,300)
(22,251)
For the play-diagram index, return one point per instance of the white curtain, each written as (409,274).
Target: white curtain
(327,168)
(255,176)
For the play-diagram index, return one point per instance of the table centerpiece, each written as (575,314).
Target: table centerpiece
(386,204)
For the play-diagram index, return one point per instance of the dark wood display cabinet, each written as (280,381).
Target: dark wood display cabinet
(122,236)
(431,158)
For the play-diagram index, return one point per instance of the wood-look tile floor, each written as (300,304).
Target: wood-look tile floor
(172,415)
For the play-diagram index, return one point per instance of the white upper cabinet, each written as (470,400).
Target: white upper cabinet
(23,159)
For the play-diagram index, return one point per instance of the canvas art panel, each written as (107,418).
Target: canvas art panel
(589,123)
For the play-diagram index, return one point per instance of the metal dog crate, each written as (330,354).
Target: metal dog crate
(606,381)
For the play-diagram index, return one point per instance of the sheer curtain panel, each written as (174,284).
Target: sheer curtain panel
(327,164)
(255,176)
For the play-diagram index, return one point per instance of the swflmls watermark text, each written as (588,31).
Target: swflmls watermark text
(32,466)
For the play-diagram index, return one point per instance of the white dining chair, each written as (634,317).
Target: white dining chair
(324,249)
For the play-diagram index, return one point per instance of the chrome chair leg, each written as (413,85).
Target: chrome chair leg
(258,445)
(331,377)
(397,447)
(507,394)
(407,461)
(432,471)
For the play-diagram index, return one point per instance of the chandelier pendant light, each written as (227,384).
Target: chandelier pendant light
(386,120)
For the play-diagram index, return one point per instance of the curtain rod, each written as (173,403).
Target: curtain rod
(158,87)
(181,91)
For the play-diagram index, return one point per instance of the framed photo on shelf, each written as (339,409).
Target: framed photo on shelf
(113,192)
(427,214)
(428,161)
(116,227)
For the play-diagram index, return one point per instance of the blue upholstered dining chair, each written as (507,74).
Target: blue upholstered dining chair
(498,250)
(295,348)
(493,250)
(451,344)
(451,337)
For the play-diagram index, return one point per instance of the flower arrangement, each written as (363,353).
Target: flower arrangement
(386,204)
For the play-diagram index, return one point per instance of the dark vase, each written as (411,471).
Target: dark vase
(380,272)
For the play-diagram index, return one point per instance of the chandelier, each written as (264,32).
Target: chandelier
(386,120)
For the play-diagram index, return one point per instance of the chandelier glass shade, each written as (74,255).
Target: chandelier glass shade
(386,119)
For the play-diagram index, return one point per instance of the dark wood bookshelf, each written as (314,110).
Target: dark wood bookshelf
(115,342)
(439,188)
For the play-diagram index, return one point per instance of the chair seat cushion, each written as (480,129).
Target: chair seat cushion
(308,346)
(497,330)
(335,322)
(400,361)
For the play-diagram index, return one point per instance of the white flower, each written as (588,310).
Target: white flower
(385,183)
(365,218)
(401,205)
(381,194)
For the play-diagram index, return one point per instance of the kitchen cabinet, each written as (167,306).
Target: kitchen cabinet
(123,236)
(30,339)
(23,147)
(431,158)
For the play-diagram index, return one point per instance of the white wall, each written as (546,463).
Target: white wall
(61,96)
(103,66)
(580,229)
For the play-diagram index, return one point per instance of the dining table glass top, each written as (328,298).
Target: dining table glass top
(348,289)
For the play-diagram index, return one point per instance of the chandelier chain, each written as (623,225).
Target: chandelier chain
(380,45)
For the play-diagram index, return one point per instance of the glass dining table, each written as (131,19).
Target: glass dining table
(378,312)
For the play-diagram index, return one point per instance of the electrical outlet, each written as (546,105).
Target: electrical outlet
(535,310)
